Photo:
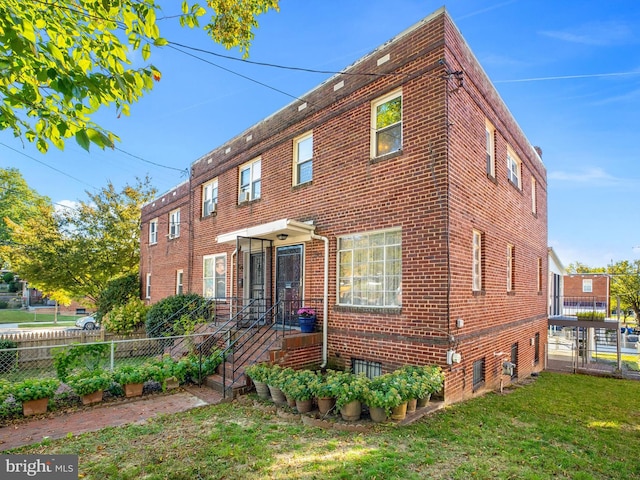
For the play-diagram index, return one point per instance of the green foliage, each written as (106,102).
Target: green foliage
(165,318)
(591,316)
(86,381)
(8,357)
(7,277)
(382,392)
(348,387)
(258,372)
(132,374)
(75,253)
(117,293)
(422,380)
(579,267)
(88,356)
(3,304)
(35,389)
(125,319)
(299,386)
(321,386)
(62,62)
(625,284)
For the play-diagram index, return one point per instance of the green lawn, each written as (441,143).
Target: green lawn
(23,316)
(561,426)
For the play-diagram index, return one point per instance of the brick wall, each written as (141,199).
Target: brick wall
(435,190)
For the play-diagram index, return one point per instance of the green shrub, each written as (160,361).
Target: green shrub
(35,389)
(258,372)
(131,374)
(89,356)
(117,293)
(165,318)
(9,356)
(85,381)
(3,304)
(125,319)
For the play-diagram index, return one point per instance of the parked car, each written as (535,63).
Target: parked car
(87,323)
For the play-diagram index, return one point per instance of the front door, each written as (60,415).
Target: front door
(289,282)
(257,284)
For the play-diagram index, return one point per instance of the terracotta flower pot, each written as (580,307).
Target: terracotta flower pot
(399,412)
(411,405)
(378,414)
(325,404)
(304,406)
(291,401)
(277,395)
(35,407)
(422,402)
(351,411)
(262,389)
(133,389)
(91,398)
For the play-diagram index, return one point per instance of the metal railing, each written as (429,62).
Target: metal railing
(576,304)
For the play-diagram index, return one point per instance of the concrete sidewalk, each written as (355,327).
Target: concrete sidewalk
(106,415)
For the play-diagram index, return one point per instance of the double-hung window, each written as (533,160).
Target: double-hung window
(534,196)
(370,269)
(209,197)
(250,181)
(513,168)
(174,223)
(214,278)
(148,286)
(153,231)
(303,159)
(490,134)
(587,285)
(179,282)
(386,126)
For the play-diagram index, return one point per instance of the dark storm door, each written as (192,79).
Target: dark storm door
(289,282)
(514,360)
(256,284)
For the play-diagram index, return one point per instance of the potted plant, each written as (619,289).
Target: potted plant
(382,397)
(132,378)
(89,384)
(322,389)
(349,389)
(299,387)
(273,383)
(287,375)
(259,374)
(307,319)
(34,394)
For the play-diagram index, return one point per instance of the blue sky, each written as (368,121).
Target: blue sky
(569,72)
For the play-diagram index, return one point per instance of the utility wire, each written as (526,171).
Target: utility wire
(568,77)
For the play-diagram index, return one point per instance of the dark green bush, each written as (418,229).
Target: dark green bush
(167,317)
(3,304)
(117,293)
(8,358)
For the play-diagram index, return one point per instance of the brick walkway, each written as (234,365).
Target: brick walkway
(101,416)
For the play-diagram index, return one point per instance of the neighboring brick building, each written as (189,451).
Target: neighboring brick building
(585,292)
(409,202)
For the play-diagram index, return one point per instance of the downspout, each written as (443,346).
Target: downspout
(325,297)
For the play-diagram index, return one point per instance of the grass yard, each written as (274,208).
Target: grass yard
(560,426)
(34,317)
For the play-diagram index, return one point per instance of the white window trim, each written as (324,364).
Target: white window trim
(587,285)
(174,223)
(296,160)
(209,201)
(213,258)
(515,177)
(476,267)
(148,287)
(179,282)
(246,192)
(153,231)
(490,147)
(374,128)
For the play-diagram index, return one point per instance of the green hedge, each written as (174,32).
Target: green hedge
(590,316)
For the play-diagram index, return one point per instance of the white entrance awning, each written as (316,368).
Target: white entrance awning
(280,231)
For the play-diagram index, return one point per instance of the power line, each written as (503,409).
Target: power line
(568,77)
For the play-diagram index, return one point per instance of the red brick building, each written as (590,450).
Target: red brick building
(407,206)
(586,292)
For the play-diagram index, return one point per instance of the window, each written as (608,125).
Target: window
(490,134)
(477,261)
(534,199)
(587,285)
(387,124)
(250,181)
(370,269)
(510,267)
(514,360)
(153,231)
(209,197)
(148,287)
(179,277)
(536,349)
(478,373)
(303,159)
(370,369)
(214,276)
(174,223)
(513,168)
